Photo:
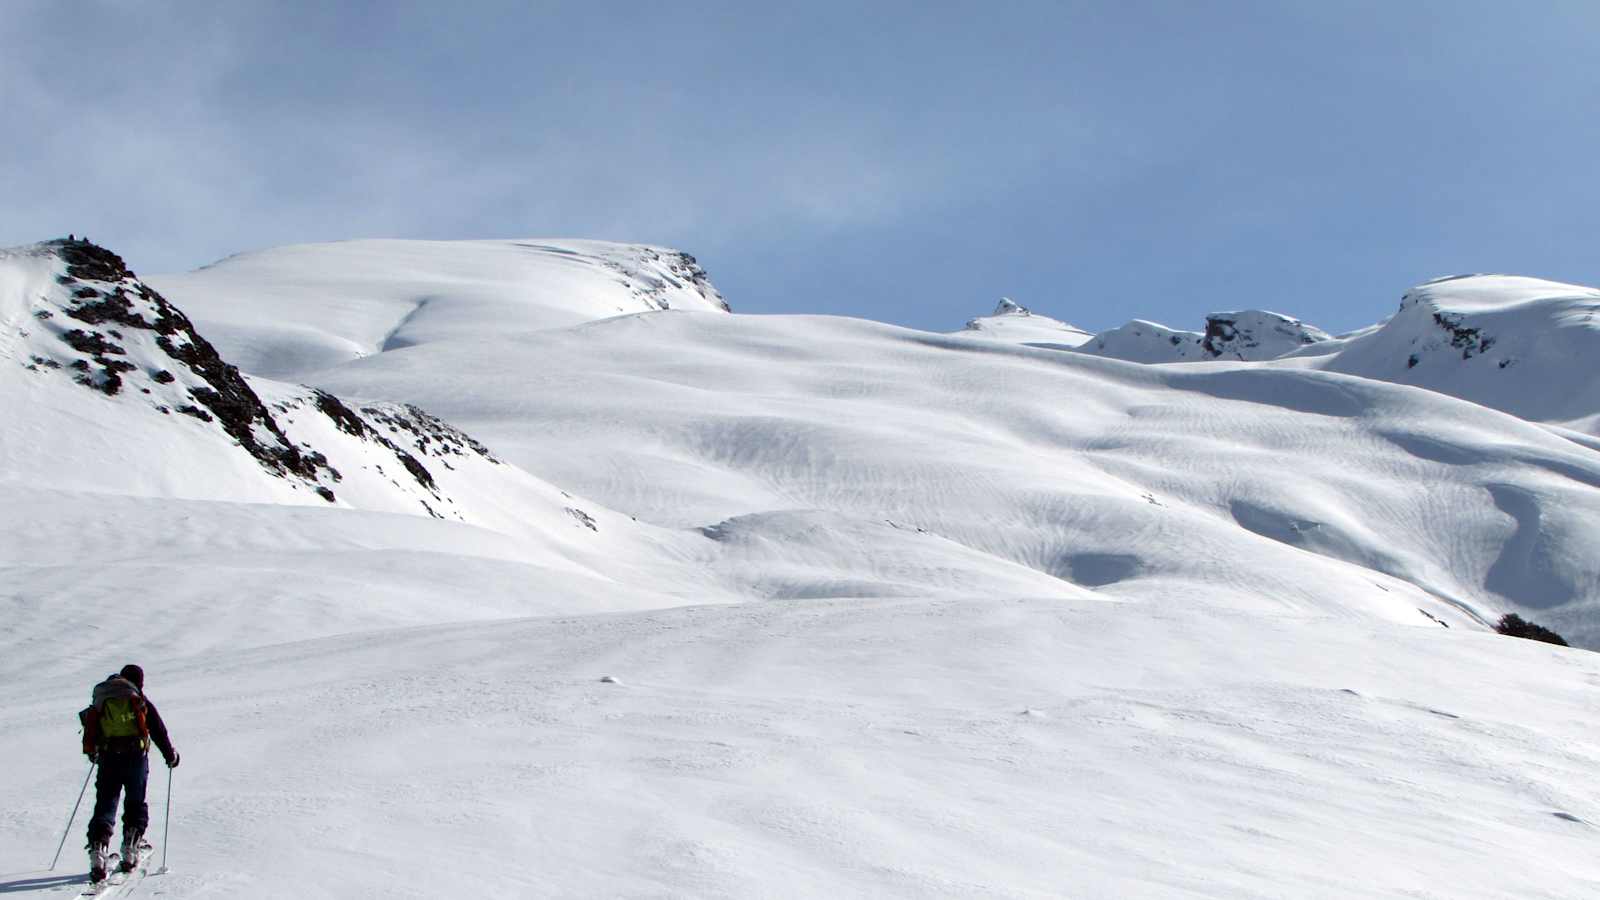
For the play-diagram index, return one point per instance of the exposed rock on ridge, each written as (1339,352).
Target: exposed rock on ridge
(106,330)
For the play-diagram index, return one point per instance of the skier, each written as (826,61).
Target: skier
(117,731)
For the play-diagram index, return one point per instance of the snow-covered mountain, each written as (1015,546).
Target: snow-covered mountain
(1011,321)
(1516,344)
(1522,345)
(881,612)
(1247,335)
(1146,342)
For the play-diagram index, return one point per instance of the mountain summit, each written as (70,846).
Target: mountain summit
(289,311)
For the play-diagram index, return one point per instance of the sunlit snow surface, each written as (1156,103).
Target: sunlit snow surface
(887,613)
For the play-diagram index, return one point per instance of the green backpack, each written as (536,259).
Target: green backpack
(119,717)
(123,717)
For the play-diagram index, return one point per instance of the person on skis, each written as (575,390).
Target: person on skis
(117,730)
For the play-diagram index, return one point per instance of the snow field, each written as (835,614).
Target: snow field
(908,747)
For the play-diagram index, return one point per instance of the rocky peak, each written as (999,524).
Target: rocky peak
(1256,335)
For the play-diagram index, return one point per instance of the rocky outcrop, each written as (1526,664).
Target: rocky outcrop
(1256,335)
(101,327)
(116,310)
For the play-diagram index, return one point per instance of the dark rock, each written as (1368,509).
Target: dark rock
(1469,341)
(1219,332)
(350,423)
(89,342)
(345,420)
(1516,626)
(422,475)
(428,431)
(91,262)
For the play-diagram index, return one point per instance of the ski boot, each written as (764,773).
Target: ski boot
(97,861)
(132,849)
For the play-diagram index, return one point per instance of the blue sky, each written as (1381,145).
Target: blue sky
(903,162)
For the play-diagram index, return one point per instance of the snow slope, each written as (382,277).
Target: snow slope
(905,748)
(952,615)
(1233,486)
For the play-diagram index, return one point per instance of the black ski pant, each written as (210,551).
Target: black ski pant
(125,774)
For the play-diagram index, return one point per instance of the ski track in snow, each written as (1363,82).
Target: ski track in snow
(802,606)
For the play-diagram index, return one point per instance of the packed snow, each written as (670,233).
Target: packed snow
(700,604)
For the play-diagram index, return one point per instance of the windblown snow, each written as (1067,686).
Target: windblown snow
(528,561)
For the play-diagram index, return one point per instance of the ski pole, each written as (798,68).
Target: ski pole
(81,792)
(166,824)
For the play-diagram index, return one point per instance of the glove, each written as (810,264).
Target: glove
(172,761)
(93,756)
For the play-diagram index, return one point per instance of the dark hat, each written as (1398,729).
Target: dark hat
(134,674)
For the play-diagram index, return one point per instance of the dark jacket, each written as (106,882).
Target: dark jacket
(117,686)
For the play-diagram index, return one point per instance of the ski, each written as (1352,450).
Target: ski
(118,882)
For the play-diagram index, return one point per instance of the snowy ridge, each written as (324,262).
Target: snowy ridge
(1146,342)
(1257,334)
(1248,335)
(1517,344)
(301,308)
